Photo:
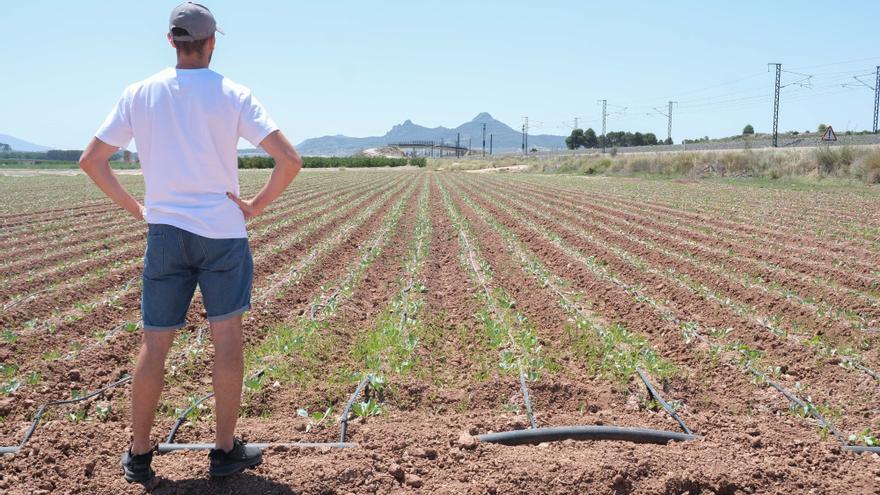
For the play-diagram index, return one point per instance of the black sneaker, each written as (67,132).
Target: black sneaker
(136,468)
(236,460)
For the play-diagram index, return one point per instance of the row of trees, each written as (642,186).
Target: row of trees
(334,161)
(580,138)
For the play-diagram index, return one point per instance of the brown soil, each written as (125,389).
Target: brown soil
(751,443)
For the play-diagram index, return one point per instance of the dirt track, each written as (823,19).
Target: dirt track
(658,270)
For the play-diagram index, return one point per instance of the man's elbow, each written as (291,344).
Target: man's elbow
(292,163)
(86,163)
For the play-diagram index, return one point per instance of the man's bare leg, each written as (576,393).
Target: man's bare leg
(149,379)
(228,374)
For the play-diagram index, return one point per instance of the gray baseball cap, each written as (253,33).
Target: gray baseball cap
(195,19)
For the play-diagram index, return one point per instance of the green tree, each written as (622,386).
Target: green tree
(575,140)
(822,128)
(5,147)
(590,138)
(667,141)
(748,130)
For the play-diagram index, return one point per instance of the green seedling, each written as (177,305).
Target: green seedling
(77,416)
(52,355)
(864,438)
(316,418)
(34,378)
(9,336)
(367,409)
(254,383)
(103,411)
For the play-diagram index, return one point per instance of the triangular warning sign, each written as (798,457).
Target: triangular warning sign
(829,135)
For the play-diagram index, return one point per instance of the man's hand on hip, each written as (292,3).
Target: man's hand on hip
(248,207)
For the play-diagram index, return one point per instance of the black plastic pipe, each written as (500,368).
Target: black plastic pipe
(558,433)
(182,418)
(653,392)
(42,409)
(343,426)
(165,448)
(527,400)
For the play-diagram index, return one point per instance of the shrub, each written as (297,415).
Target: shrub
(831,161)
(867,167)
(333,161)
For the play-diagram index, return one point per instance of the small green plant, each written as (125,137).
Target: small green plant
(103,411)
(367,409)
(52,355)
(864,438)
(196,409)
(34,378)
(9,336)
(77,416)
(316,418)
(254,383)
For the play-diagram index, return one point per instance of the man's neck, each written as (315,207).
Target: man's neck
(192,64)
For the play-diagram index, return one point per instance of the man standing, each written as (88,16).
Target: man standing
(186,122)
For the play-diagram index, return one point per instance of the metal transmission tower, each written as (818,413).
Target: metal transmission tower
(525,136)
(668,116)
(457,144)
(876,98)
(604,117)
(491,136)
(484,140)
(776,105)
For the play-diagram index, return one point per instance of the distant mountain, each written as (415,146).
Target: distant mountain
(21,145)
(505,138)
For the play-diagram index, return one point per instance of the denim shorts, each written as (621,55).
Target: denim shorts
(176,260)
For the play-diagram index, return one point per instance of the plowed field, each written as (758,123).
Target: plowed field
(468,304)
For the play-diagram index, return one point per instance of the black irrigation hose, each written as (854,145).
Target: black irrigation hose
(343,426)
(42,409)
(557,433)
(803,405)
(182,418)
(663,403)
(813,412)
(527,400)
(165,448)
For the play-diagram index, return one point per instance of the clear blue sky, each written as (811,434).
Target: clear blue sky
(357,68)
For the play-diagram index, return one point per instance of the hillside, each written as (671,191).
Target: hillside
(20,144)
(505,138)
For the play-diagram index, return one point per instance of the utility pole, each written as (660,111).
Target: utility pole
(457,144)
(491,136)
(876,98)
(525,135)
(776,104)
(604,116)
(668,116)
(484,140)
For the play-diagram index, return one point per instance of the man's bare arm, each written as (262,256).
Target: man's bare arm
(95,161)
(287,165)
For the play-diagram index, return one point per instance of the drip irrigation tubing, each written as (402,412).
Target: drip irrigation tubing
(42,409)
(165,448)
(663,403)
(809,408)
(527,400)
(343,421)
(558,433)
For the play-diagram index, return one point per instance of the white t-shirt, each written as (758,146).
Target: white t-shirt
(186,124)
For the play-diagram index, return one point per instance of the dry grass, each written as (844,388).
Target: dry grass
(843,162)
